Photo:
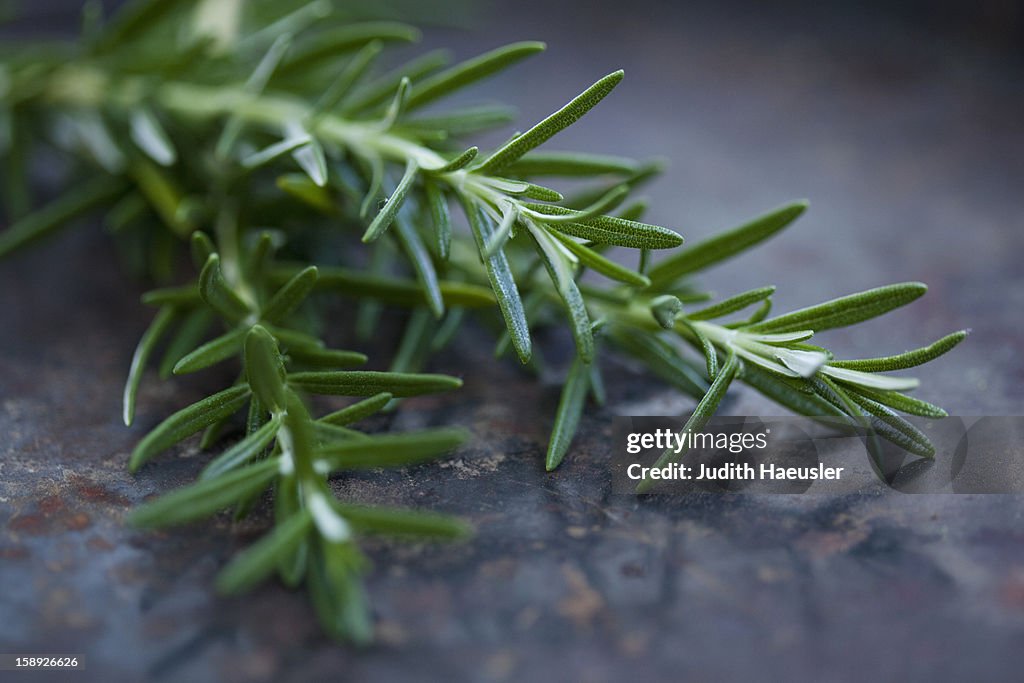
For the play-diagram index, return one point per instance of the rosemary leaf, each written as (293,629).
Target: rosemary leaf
(150,339)
(438,204)
(326,358)
(399,522)
(470,71)
(456,164)
(380,90)
(212,352)
(399,291)
(261,559)
(569,164)
(600,264)
(418,255)
(612,230)
(552,125)
(499,272)
(724,245)
(342,85)
(570,408)
(242,452)
(908,359)
(562,276)
(327,45)
(902,402)
(358,411)
(216,292)
(189,334)
(290,295)
(732,304)
(367,383)
(391,450)
(661,359)
(188,421)
(387,214)
(264,369)
(59,213)
(303,188)
(847,310)
(206,497)
(151,137)
(706,347)
(701,414)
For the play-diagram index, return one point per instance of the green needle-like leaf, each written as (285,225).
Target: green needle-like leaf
(379,90)
(348,77)
(503,284)
(661,359)
(397,106)
(261,559)
(600,264)
(438,204)
(303,188)
(570,165)
(902,402)
(782,391)
(149,340)
(387,214)
(312,159)
(560,120)
(724,245)
(399,522)
(367,383)
(358,411)
(326,358)
(470,71)
(187,422)
(900,432)
(206,497)
(908,359)
(563,277)
(706,347)
(200,248)
(274,152)
(290,296)
(334,584)
(611,230)
(216,292)
(701,414)
(666,309)
(56,215)
(421,263)
(131,21)
(400,291)
(189,334)
(212,352)
(150,136)
(328,44)
(264,369)
(847,310)
(570,408)
(459,122)
(456,164)
(243,451)
(392,450)
(732,304)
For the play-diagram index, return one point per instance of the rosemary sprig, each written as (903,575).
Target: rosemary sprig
(207,123)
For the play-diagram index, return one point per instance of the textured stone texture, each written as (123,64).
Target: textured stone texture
(911,149)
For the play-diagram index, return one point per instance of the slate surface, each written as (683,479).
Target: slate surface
(909,144)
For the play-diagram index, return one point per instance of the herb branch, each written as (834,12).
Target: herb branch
(262,136)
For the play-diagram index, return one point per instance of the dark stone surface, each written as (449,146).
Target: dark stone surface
(911,148)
